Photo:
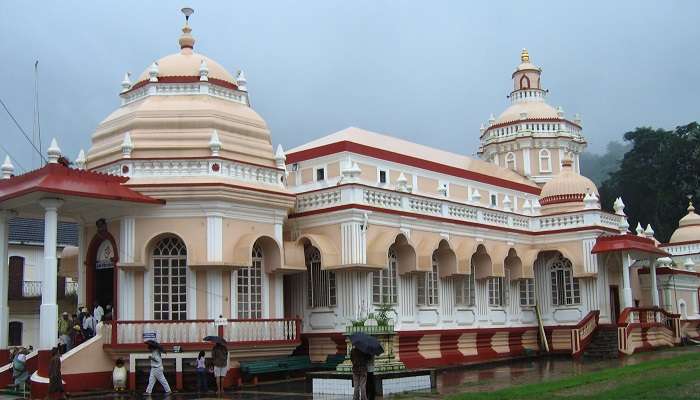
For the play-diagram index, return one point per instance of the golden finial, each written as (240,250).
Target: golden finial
(524,56)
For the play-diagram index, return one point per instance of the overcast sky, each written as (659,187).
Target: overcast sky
(427,71)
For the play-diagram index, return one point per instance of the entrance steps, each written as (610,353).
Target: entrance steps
(604,343)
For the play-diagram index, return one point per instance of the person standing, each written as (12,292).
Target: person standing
(156,370)
(89,326)
(55,378)
(201,367)
(64,326)
(76,336)
(119,376)
(360,361)
(219,355)
(98,312)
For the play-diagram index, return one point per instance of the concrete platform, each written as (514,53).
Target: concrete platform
(385,383)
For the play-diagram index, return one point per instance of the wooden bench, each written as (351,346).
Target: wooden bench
(274,365)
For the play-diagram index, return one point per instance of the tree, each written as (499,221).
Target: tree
(655,175)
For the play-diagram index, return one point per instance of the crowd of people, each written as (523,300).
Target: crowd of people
(77,328)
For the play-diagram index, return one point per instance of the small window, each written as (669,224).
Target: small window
(527,292)
(320,174)
(495,286)
(464,290)
(382,177)
(494,200)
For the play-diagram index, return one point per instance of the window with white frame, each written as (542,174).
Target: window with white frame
(249,287)
(464,290)
(495,286)
(527,292)
(169,260)
(510,161)
(384,290)
(428,286)
(545,161)
(321,283)
(320,174)
(565,288)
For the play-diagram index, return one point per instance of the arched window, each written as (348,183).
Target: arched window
(14,337)
(170,279)
(510,161)
(428,286)
(565,288)
(384,290)
(545,161)
(250,287)
(321,290)
(524,82)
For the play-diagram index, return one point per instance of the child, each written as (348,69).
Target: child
(201,373)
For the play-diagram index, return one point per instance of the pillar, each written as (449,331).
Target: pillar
(48,314)
(4,283)
(652,280)
(627,288)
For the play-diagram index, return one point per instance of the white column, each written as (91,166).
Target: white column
(526,162)
(278,278)
(652,279)
(627,288)
(82,281)
(4,278)
(215,253)
(48,315)
(126,310)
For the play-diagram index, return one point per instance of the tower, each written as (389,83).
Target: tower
(530,136)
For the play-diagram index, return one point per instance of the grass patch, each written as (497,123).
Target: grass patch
(669,378)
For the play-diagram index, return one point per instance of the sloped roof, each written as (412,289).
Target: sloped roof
(406,152)
(31,231)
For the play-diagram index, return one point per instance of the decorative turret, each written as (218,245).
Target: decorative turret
(280,157)
(53,152)
(476,196)
(619,208)
(186,40)
(215,144)
(639,230)
(7,168)
(242,81)
(80,161)
(649,232)
(127,145)
(203,71)
(568,191)
(402,183)
(507,204)
(126,83)
(352,172)
(153,72)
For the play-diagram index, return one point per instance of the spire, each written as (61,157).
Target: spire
(649,232)
(215,144)
(241,81)
(153,72)
(524,56)
(280,157)
(80,161)
(126,83)
(203,71)
(691,209)
(639,229)
(53,152)
(7,168)
(186,39)
(127,145)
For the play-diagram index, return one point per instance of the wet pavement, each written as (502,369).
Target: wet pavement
(475,378)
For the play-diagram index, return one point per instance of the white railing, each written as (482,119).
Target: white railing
(413,203)
(31,289)
(193,168)
(194,331)
(318,199)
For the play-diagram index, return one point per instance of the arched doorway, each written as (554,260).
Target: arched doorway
(100,276)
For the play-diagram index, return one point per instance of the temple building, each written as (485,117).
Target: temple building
(188,216)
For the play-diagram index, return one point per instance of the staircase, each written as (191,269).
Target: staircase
(604,343)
